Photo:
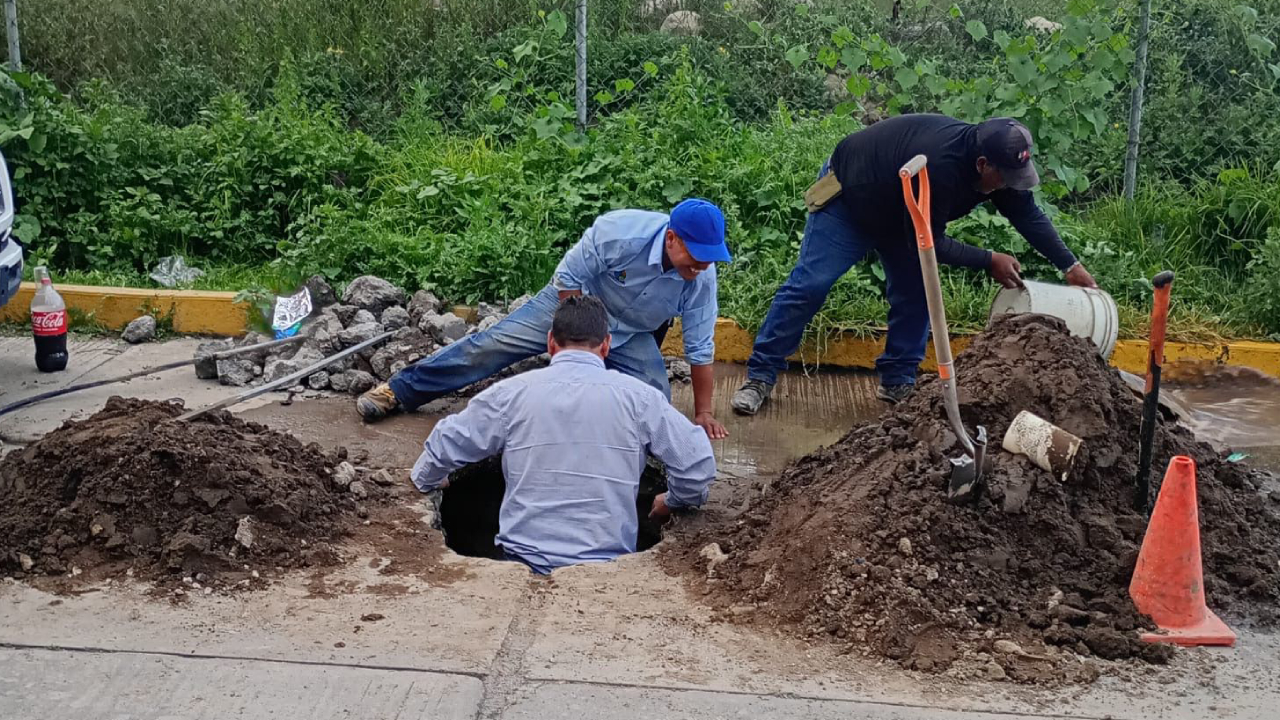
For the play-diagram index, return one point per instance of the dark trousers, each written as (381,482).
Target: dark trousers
(829,249)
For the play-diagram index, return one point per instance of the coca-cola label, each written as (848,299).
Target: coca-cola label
(49,323)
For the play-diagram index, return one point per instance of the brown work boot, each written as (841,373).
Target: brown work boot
(377,403)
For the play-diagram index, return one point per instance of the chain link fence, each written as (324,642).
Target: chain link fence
(1211,98)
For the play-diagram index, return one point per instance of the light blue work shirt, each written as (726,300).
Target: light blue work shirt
(574,438)
(619,260)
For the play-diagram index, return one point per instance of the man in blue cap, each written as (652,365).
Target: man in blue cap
(857,206)
(646,267)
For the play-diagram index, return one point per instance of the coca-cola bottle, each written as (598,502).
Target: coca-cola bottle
(49,324)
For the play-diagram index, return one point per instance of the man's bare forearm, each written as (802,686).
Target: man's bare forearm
(704,382)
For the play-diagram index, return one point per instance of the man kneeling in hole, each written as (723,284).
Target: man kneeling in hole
(647,268)
(574,438)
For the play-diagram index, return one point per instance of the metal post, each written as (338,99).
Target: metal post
(580,50)
(11,28)
(1135,102)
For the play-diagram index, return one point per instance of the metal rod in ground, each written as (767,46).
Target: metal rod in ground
(26,402)
(287,379)
(1151,399)
(1135,102)
(580,61)
(11,29)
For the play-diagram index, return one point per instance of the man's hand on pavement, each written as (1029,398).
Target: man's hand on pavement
(708,422)
(1006,270)
(660,512)
(1079,277)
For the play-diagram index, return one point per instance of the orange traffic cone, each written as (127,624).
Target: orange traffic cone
(1168,583)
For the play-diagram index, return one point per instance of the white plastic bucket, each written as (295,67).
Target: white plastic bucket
(1088,313)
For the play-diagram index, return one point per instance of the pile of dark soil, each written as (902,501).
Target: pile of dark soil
(129,489)
(857,542)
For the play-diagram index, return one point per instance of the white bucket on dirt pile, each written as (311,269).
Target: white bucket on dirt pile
(1088,313)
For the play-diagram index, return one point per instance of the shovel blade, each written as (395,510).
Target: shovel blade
(965,483)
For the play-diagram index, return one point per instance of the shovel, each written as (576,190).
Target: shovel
(1161,284)
(966,472)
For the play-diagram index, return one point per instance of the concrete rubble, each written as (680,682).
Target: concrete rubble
(139,330)
(322,294)
(373,294)
(678,370)
(368,307)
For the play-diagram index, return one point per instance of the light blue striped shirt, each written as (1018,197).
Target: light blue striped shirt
(619,260)
(574,438)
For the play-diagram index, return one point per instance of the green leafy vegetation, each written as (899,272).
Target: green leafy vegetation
(265,141)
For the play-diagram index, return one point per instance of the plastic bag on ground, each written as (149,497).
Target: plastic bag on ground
(290,312)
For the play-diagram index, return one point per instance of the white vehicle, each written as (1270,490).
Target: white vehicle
(10,250)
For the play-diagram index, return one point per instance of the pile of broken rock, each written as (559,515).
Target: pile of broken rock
(369,307)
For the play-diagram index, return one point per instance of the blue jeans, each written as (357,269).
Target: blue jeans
(519,336)
(830,247)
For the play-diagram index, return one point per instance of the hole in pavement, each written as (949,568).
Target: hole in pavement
(469,507)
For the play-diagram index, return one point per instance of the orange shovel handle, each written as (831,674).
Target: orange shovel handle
(918,207)
(1162,284)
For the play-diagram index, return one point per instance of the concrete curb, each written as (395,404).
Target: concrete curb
(217,313)
(733,344)
(191,311)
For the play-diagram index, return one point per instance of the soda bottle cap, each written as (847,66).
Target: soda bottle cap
(41,274)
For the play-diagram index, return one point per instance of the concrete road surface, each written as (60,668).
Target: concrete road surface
(470,638)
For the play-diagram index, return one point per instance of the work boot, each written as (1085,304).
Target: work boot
(894,394)
(751,396)
(377,403)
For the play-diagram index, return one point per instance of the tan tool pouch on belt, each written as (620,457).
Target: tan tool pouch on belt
(822,192)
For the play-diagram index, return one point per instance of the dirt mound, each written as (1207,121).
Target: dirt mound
(129,489)
(858,543)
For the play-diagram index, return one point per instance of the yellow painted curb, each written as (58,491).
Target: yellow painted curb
(191,311)
(733,344)
(217,313)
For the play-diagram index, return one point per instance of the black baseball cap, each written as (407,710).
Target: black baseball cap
(1006,143)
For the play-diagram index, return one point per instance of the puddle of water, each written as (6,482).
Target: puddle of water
(1232,407)
(804,413)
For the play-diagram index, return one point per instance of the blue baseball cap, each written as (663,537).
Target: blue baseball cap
(700,224)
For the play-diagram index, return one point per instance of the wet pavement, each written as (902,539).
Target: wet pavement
(805,413)
(1230,407)
(1233,407)
(487,640)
